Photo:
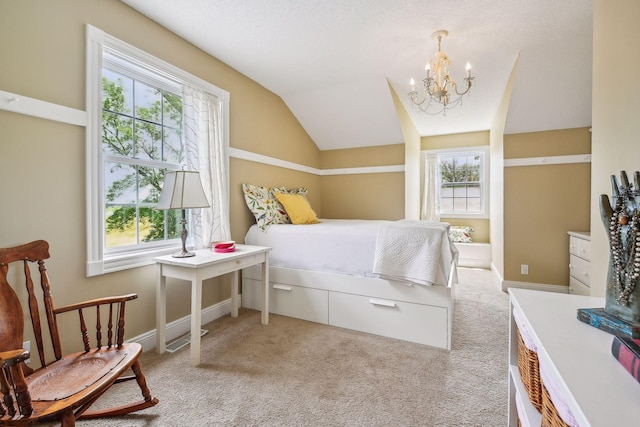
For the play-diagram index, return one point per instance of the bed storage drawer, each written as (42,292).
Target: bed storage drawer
(401,320)
(288,300)
(301,303)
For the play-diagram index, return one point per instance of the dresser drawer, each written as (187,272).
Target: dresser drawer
(580,247)
(580,269)
(403,320)
(576,287)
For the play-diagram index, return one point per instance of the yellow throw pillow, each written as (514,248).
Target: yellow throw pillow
(297,208)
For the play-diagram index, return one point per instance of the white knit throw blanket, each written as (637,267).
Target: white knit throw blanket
(412,251)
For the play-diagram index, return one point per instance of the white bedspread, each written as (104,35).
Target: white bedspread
(345,246)
(413,252)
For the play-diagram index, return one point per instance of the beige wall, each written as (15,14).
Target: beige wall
(411,139)
(457,140)
(461,140)
(543,202)
(615,112)
(42,163)
(382,155)
(367,195)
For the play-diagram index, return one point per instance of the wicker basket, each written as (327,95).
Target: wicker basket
(530,372)
(550,416)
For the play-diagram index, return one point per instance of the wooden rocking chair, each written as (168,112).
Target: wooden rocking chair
(64,388)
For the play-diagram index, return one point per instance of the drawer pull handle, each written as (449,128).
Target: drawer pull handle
(385,303)
(283,287)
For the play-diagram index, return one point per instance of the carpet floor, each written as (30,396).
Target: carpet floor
(298,373)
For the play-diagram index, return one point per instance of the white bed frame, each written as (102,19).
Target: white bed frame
(416,313)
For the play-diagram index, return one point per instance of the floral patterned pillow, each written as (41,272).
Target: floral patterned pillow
(264,206)
(460,233)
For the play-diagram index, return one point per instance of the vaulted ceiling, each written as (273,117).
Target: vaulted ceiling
(333,62)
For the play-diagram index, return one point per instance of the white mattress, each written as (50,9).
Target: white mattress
(345,246)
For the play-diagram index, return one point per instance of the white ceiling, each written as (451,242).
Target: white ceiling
(332,61)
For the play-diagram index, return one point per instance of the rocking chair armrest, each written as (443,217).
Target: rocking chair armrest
(96,302)
(13,357)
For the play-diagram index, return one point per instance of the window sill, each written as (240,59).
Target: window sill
(127,261)
(464,216)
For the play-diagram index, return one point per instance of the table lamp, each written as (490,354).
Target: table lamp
(182,190)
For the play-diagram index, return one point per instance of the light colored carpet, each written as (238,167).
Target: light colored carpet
(297,373)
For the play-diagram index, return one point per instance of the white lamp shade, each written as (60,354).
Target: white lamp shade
(182,190)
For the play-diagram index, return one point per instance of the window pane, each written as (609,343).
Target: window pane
(119,184)
(446,191)
(120,206)
(446,205)
(117,134)
(173,149)
(172,110)
(117,92)
(147,102)
(120,225)
(473,190)
(473,204)
(148,140)
(459,205)
(460,191)
(151,220)
(446,169)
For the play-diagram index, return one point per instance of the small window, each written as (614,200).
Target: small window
(456,183)
(461,185)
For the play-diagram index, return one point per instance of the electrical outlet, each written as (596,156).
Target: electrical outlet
(524,269)
(27,346)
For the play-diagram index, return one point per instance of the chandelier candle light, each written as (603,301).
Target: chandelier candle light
(182,190)
(439,87)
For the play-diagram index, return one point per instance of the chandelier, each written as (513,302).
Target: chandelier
(440,90)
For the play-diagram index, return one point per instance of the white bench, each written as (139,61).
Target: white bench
(476,255)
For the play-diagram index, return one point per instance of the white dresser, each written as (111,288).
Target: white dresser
(598,390)
(579,262)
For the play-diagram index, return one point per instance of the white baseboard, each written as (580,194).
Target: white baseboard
(506,284)
(496,272)
(182,326)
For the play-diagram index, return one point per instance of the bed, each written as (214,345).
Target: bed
(343,273)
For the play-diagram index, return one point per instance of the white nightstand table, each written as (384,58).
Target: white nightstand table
(205,265)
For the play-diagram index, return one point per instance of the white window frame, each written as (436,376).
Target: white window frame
(100,261)
(484,173)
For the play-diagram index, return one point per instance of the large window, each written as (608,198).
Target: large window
(141,138)
(140,126)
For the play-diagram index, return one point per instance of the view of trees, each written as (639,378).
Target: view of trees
(460,168)
(141,129)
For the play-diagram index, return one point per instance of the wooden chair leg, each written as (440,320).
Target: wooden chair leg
(141,380)
(68,419)
(128,408)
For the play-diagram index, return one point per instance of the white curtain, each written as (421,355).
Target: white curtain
(429,211)
(207,153)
